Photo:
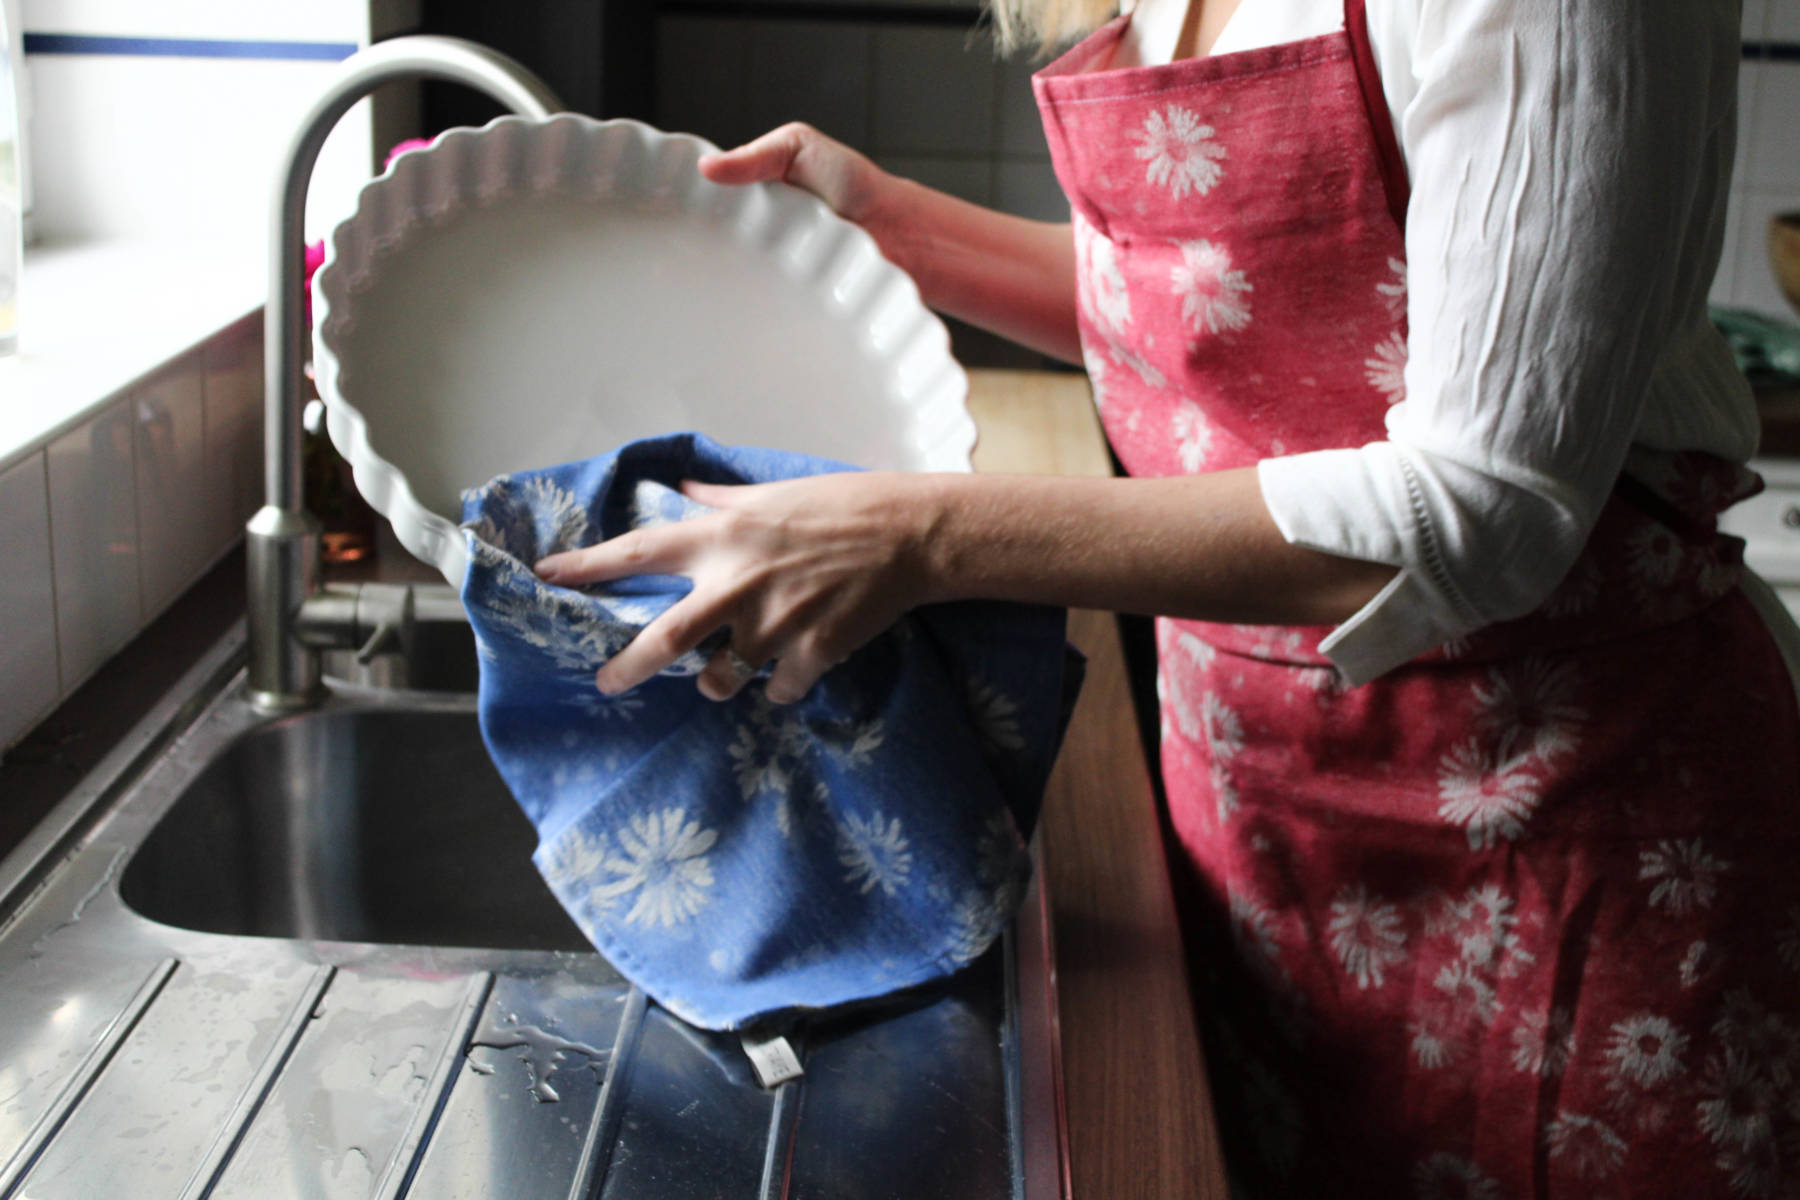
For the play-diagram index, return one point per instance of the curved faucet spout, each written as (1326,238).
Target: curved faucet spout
(283,325)
(282,539)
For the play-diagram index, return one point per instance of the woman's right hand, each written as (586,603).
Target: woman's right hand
(800,155)
(1003,273)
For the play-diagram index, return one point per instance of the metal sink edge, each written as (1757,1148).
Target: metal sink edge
(205,1064)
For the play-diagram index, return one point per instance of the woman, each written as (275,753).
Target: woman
(1481,753)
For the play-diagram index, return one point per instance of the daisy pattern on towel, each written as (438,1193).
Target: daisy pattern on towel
(1179,151)
(996,716)
(1214,294)
(979,918)
(768,748)
(874,852)
(553,622)
(575,858)
(691,840)
(663,864)
(528,519)
(559,520)
(984,909)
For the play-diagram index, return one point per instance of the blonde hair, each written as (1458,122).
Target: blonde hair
(1043,25)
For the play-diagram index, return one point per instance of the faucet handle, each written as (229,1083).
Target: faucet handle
(388,636)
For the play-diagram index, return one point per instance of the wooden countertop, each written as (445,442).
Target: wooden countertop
(1139,1117)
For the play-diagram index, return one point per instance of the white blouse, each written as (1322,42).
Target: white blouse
(1569,167)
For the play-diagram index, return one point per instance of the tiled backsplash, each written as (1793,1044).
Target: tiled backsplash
(924,98)
(929,101)
(105,526)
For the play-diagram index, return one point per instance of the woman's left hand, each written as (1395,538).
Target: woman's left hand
(802,572)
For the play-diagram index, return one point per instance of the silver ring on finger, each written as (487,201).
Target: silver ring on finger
(742,670)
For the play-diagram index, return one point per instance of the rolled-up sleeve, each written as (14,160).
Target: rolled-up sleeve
(1560,242)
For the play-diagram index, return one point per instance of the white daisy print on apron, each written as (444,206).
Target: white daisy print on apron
(1684,878)
(1366,935)
(1492,800)
(1586,1144)
(1101,284)
(1446,1176)
(1214,295)
(1385,368)
(1544,1043)
(1178,151)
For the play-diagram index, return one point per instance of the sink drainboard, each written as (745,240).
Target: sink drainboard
(309,957)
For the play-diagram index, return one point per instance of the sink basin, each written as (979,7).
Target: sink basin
(381,825)
(289,958)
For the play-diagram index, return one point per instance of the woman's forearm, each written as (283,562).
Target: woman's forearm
(1198,546)
(1006,274)
(806,570)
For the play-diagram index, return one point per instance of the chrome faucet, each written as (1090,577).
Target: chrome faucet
(289,620)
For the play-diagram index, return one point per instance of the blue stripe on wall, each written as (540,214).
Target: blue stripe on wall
(160,47)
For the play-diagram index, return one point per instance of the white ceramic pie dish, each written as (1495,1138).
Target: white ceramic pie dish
(535,292)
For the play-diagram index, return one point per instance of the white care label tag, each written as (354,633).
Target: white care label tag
(773,1060)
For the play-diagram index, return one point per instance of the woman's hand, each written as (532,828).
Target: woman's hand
(798,154)
(853,187)
(802,572)
(1006,274)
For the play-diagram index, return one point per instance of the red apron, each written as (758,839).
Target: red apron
(1521,917)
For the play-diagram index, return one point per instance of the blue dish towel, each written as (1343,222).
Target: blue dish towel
(740,859)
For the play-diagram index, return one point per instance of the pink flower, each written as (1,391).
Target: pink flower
(403,147)
(315,251)
(315,257)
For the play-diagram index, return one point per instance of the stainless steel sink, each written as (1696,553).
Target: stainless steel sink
(308,956)
(368,824)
